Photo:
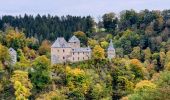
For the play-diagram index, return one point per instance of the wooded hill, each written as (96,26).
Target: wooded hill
(140,71)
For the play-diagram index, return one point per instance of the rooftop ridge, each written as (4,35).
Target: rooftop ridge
(74,39)
(60,43)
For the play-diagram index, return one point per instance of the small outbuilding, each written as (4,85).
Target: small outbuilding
(13,55)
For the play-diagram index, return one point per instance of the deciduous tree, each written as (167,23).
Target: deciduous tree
(98,52)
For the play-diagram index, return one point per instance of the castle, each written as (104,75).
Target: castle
(63,51)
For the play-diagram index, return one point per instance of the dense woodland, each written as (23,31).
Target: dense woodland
(48,27)
(140,71)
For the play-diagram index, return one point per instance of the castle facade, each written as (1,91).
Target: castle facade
(63,51)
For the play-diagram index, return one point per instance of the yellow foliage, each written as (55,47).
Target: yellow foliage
(22,84)
(124,98)
(98,52)
(21,92)
(138,69)
(135,62)
(1,87)
(52,95)
(98,88)
(79,33)
(92,42)
(4,54)
(76,79)
(1,66)
(13,36)
(75,71)
(145,84)
(104,44)
(167,66)
(22,77)
(42,60)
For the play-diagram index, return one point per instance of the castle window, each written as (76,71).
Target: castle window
(63,57)
(78,53)
(73,53)
(83,58)
(83,52)
(78,58)
(58,50)
(63,50)
(73,58)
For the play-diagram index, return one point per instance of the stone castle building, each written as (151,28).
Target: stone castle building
(63,51)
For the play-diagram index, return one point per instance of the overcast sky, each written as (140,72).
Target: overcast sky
(77,7)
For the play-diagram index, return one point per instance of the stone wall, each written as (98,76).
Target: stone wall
(111,54)
(74,44)
(61,54)
(79,56)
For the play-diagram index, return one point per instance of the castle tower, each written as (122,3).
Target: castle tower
(60,51)
(74,42)
(111,51)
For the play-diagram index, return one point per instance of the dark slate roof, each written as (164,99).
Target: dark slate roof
(60,43)
(111,47)
(74,39)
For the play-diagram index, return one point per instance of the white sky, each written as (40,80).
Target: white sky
(94,8)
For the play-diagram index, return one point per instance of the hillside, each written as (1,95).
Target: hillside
(140,71)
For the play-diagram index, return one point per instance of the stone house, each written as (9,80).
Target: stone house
(63,51)
(13,55)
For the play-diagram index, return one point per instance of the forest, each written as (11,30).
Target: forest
(140,71)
